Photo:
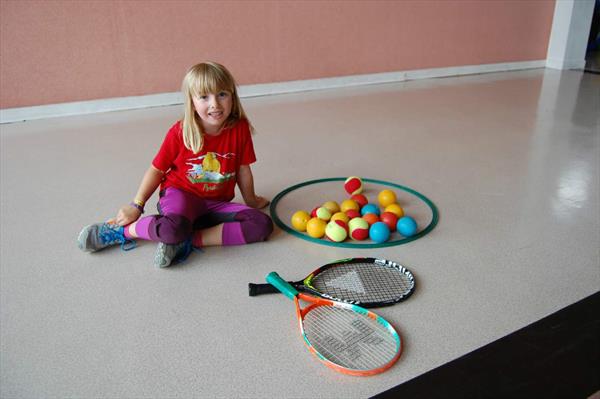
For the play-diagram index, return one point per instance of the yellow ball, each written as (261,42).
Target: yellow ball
(335,231)
(349,204)
(395,209)
(359,229)
(332,206)
(323,213)
(299,220)
(340,216)
(386,197)
(316,227)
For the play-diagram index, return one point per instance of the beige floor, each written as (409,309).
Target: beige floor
(511,160)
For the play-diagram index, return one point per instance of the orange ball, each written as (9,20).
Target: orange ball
(371,218)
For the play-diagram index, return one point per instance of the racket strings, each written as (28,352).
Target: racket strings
(350,339)
(364,282)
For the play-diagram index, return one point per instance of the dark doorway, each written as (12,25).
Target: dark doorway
(592,56)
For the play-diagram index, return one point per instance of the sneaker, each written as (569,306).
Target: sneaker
(101,235)
(167,254)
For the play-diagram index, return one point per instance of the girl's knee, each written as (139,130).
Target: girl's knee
(255,225)
(265,225)
(172,229)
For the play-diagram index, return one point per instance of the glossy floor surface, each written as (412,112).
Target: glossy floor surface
(511,161)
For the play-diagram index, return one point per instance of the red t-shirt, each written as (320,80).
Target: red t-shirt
(212,172)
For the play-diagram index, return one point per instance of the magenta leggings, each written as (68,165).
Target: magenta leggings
(181,213)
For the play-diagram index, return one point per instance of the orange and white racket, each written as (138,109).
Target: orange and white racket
(345,337)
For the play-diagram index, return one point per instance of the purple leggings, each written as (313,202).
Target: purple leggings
(181,213)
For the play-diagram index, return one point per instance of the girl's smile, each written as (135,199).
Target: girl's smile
(213,110)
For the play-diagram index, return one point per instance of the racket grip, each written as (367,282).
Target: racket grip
(282,285)
(259,289)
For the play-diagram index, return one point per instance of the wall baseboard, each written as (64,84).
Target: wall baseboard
(562,64)
(11,115)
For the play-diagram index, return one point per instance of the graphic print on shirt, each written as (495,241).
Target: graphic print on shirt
(209,170)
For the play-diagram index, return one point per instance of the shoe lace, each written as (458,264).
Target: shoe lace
(184,251)
(110,234)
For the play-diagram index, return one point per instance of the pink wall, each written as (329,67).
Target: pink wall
(62,51)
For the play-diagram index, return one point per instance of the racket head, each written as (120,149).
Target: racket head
(347,338)
(367,282)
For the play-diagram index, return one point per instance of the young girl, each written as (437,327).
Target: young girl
(197,167)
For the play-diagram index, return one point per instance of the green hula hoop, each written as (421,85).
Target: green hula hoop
(285,227)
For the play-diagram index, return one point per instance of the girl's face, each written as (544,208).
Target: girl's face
(213,110)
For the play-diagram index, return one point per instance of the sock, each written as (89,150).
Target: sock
(197,239)
(125,231)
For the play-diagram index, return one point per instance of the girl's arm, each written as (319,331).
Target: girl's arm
(150,182)
(245,182)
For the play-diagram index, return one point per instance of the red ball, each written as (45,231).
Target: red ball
(353,213)
(353,185)
(390,219)
(313,213)
(342,223)
(360,234)
(359,229)
(360,199)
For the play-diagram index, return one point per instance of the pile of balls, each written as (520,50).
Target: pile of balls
(355,217)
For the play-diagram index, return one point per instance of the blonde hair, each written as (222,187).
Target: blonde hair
(202,79)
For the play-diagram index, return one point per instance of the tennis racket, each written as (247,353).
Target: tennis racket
(367,282)
(345,337)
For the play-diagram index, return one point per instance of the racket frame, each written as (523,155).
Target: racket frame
(306,285)
(314,302)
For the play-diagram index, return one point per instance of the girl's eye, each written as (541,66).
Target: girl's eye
(223,94)
(203,97)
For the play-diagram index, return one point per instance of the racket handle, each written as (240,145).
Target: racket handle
(259,289)
(282,285)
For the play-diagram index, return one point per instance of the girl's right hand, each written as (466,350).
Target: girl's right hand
(127,215)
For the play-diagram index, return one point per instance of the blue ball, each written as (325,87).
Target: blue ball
(406,226)
(370,208)
(379,232)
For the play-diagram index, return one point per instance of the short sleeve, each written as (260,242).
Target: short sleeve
(169,149)
(247,150)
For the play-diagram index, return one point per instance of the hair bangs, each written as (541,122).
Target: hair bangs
(210,80)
